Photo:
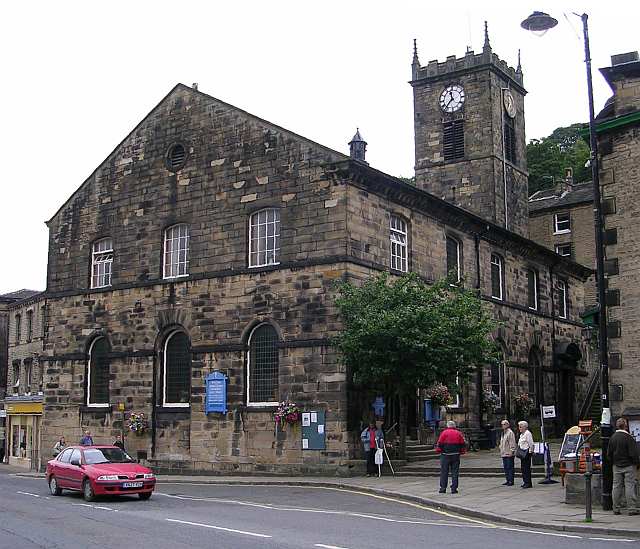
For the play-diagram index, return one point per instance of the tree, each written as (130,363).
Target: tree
(548,157)
(402,334)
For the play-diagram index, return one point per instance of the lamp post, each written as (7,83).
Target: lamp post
(539,23)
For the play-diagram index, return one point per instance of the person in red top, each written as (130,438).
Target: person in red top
(450,446)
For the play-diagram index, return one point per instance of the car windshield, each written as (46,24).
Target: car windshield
(106,455)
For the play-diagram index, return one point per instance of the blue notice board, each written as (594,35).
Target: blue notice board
(216,395)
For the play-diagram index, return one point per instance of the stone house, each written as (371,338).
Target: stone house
(618,129)
(211,240)
(23,401)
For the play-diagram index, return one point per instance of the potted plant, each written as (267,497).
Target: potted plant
(137,423)
(524,404)
(490,401)
(437,396)
(287,413)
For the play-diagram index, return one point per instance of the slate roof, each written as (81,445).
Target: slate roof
(19,295)
(551,199)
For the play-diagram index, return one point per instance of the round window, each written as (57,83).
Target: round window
(176,157)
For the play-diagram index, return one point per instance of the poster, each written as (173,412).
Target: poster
(305,443)
(306,420)
(320,429)
(314,417)
(634,428)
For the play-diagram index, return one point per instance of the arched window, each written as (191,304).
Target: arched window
(263,366)
(498,379)
(497,277)
(177,370)
(264,238)
(101,263)
(98,373)
(398,237)
(176,251)
(532,289)
(536,388)
(29,325)
(454,259)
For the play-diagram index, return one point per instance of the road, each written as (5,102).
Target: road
(189,516)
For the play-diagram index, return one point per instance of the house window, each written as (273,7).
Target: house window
(18,327)
(398,236)
(176,251)
(16,377)
(453,259)
(497,385)
(457,398)
(264,238)
(532,289)
(497,277)
(562,223)
(535,382)
(453,140)
(98,373)
(101,263)
(565,250)
(29,326)
(177,370)
(263,366)
(510,139)
(561,289)
(28,376)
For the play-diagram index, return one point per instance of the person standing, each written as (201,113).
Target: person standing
(450,446)
(623,453)
(87,439)
(372,438)
(507,452)
(118,442)
(59,446)
(524,453)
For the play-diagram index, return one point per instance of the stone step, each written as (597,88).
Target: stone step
(468,474)
(424,468)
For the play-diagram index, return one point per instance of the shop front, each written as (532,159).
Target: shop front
(23,433)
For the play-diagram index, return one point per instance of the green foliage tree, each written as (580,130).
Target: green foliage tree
(548,157)
(403,334)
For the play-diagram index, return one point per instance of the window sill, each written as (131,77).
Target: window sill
(173,410)
(261,407)
(563,231)
(101,409)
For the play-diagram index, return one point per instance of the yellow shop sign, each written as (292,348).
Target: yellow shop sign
(23,407)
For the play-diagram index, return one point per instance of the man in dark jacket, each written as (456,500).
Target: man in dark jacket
(450,446)
(623,453)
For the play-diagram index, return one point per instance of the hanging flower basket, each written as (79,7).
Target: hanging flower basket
(439,394)
(137,423)
(287,413)
(524,404)
(490,402)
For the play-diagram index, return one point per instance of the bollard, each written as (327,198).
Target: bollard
(587,496)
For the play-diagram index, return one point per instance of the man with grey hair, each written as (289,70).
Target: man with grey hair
(623,453)
(450,446)
(508,452)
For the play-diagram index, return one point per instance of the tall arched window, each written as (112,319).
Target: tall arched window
(176,251)
(398,237)
(264,238)
(497,277)
(263,366)
(454,259)
(98,373)
(536,387)
(18,321)
(177,370)
(498,379)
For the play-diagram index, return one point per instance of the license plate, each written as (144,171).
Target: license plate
(132,484)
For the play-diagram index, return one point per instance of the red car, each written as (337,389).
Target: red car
(97,471)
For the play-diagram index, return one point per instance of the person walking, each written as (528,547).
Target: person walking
(372,438)
(450,446)
(507,452)
(59,446)
(524,453)
(118,442)
(623,453)
(87,439)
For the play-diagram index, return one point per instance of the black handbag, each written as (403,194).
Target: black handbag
(522,453)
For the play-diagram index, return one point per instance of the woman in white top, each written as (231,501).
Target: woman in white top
(525,444)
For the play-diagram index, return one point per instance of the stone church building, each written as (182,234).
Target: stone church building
(211,240)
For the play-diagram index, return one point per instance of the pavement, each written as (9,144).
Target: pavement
(479,497)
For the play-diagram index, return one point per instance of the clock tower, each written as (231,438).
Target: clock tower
(469,135)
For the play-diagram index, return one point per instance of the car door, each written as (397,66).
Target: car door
(75,472)
(60,468)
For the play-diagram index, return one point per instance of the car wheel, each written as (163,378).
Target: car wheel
(53,486)
(87,491)
(144,496)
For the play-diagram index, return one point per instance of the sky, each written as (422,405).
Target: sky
(78,76)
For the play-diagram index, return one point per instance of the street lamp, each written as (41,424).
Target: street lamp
(538,23)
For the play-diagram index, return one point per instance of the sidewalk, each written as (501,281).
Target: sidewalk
(541,507)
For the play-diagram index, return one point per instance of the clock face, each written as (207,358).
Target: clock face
(452,98)
(509,104)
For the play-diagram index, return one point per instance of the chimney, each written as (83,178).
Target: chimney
(195,86)
(358,147)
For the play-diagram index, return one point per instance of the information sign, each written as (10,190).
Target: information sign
(548,412)
(313,430)
(216,393)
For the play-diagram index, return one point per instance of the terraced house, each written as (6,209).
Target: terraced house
(211,240)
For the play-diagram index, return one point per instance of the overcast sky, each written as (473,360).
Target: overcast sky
(78,76)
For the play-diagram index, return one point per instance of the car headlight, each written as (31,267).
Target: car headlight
(149,475)
(108,477)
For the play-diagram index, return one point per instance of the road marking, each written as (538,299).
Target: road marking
(329,546)
(539,532)
(254,534)
(28,494)
(614,539)
(94,507)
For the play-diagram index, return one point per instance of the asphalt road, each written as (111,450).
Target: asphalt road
(198,516)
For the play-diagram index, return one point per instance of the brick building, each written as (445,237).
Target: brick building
(210,240)
(618,128)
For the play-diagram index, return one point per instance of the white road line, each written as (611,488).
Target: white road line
(28,494)
(329,546)
(541,533)
(254,534)
(94,507)
(615,539)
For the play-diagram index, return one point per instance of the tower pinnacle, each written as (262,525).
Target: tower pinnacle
(487,46)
